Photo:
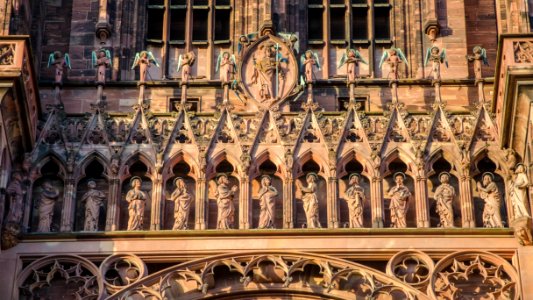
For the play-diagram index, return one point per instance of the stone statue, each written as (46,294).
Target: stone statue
(101,60)
(15,193)
(93,199)
(351,59)
(444,195)
(137,201)
(226,208)
(399,195)
(394,57)
(310,200)
(307,61)
(518,193)
(227,66)
(60,62)
(144,59)
(437,57)
(182,204)
(267,198)
(185,62)
(49,197)
(491,195)
(355,196)
(479,58)
(265,70)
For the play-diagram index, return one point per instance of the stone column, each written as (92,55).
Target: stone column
(421,199)
(467,203)
(288,202)
(333,205)
(201,202)
(157,195)
(244,204)
(376,202)
(69,204)
(113,205)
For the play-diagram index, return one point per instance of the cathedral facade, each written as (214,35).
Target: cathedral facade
(236,149)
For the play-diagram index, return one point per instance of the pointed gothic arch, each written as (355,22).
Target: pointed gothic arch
(259,274)
(307,156)
(137,156)
(264,156)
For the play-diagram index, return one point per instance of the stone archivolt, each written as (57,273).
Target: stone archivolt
(410,275)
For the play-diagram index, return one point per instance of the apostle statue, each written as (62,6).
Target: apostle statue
(226,208)
(49,197)
(444,195)
(101,60)
(182,204)
(310,200)
(15,193)
(267,198)
(491,195)
(144,59)
(518,193)
(93,199)
(399,195)
(355,196)
(137,201)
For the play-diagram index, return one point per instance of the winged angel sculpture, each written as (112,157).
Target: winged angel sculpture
(185,63)
(437,57)
(227,66)
(351,59)
(101,60)
(59,61)
(394,57)
(307,61)
(144,59)
(479,57)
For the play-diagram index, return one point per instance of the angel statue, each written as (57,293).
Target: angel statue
(307,61)
(479,57)
(143,59)
(351,59)
(394,57)
(101,59)
(436,57)
(226,64)
(59,61)
(185,63)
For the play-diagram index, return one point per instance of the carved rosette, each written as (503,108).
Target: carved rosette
(474,275)
(120,270)
(46,277)
(412,267)
(262,81)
